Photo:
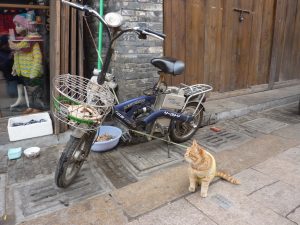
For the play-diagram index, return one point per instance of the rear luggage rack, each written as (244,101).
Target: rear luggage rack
(196,89)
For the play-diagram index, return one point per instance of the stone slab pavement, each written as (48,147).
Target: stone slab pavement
(146,187)
(262,198)
(268,168)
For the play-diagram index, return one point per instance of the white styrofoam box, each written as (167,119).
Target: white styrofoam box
(30,130)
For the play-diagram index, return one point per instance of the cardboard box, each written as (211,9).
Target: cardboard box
(26,129)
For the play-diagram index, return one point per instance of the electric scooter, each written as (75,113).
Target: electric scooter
(172,112)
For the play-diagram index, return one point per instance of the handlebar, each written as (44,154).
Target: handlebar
(113,36)
(74,5)
(85,8)
(149,32)
(88,9)
(155,34)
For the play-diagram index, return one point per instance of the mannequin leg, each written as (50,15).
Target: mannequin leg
(26,97)
(20,98)
(28,110)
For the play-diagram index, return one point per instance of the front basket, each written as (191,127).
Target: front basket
(80,102)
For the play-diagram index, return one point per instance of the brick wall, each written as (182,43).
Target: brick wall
(131,62)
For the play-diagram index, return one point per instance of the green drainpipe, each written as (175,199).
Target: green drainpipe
(100,35)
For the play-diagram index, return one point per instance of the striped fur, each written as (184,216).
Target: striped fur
(202,169)
(227,177)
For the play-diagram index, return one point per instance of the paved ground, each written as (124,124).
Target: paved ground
(268,195)
(141,185)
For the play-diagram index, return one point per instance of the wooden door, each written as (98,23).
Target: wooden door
(285,60)
(218,48)
(66,46)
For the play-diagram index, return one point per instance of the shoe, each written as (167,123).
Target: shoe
(27,111)
(36,110)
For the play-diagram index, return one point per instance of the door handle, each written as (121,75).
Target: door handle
(241,11)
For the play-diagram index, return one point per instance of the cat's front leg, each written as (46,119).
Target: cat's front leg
(204,188)
(193,183)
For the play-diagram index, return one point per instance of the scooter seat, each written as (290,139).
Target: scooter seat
(168,65)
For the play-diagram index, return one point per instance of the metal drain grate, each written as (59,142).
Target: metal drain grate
(150,155)
(43,195)
(222,140)
(222,201)
(3,161)
(264,125)
(111,164)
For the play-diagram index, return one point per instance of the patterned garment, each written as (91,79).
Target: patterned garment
(27,58)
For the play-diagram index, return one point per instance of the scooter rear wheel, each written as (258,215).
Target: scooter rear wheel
(183,131)
(72,159)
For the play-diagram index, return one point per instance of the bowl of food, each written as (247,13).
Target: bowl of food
(32,152)
(107,138)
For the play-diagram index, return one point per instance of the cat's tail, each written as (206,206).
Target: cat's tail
(227,177)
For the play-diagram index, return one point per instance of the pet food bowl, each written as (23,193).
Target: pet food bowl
(100,146)
(32,152)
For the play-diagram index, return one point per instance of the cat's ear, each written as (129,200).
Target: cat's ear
(195,142)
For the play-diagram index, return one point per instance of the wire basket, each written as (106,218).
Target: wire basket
(80,102)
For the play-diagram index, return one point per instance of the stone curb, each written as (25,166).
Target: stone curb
(212,118)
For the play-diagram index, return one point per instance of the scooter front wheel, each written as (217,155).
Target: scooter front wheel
(72,159)
(183,131)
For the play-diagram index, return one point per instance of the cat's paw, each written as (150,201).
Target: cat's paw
(192,189)
(203,195)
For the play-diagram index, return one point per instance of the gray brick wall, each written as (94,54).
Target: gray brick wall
(131,62)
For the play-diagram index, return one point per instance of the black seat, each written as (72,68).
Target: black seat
(168,65)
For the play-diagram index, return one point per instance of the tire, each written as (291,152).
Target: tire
(183,131)
(69,166)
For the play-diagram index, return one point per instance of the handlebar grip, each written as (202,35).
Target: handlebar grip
(72,4)
(156,33)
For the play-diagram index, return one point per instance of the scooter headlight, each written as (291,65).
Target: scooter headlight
(113,19)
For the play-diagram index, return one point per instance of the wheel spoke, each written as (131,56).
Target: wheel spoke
(182,131)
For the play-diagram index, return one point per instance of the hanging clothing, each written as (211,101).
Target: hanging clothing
(27,57)
(6,23)
(6,61)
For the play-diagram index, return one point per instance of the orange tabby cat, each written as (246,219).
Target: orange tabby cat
(202,169)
